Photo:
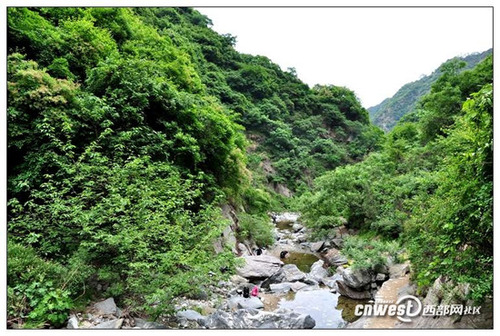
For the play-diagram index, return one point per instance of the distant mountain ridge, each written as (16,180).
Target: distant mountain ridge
(390,110)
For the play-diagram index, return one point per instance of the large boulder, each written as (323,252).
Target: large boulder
(72,322)
(317,246)
(111,324)
(318,272)
(143,324)
(356,278)
(331,282)
(237,280)
(398,270)
(223,320)
(345,290)
(190,315)
(240,302)
(243,250)
(297,286)
(287,273)
(280,287)
(107,307)
(334,258)
(252,319)
(258,267)
(292,273)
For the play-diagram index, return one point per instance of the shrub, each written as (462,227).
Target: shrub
(369,253)
(256,227)
(38,290)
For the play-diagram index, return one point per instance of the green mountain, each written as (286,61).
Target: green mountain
(388,112)
(128,130)
(143,148)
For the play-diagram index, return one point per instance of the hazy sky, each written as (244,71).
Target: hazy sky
(373,51)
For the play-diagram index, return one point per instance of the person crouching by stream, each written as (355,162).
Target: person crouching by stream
(247,293)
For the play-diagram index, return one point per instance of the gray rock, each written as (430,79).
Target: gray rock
(334,258)
(286,217)
(301,238)
(317,271)
(112,324)
(258,267)
(72,322)
(107,307)
(143,324)
(317,246)
(292,273)
(331,282)
(345,290)
(305,245)
(239,302)
(276,278)
(220,320)
(243,249)
(356,278)
(297,227)
(338,243)
(186,318)
(380,277)
(190,314)
(398,270)
(288,273)
(281,287)
(309,288)
(238,280)
(252,319)
(436,293)
(409,289)
(283,190)
(297,286)
(309,280)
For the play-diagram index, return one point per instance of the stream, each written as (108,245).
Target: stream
(328,308)
(295,290)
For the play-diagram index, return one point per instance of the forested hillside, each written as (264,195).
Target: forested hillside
(430,187)
(127,130)
(388,112)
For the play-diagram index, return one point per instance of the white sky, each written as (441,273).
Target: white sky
(372,51)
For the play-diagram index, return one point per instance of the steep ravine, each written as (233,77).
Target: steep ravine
(309,286)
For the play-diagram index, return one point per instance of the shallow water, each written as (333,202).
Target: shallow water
(285,225)
(302,260)
(329,310)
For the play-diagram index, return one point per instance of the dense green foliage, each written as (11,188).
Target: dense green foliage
(370,254)
(117,156)
(431,185)
(127,129)
(39,290)
(302,131)
(387,113)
